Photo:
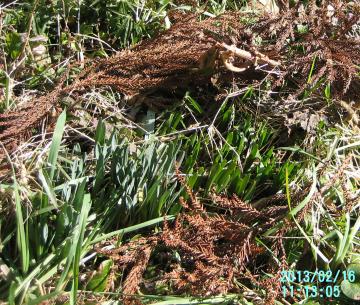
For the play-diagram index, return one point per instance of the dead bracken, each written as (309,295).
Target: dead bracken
(215,247)
(242,47)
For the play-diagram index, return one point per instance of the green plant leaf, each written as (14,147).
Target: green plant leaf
(22,237)
(100,133)
(55,144)
(47,185)
(13,44)
(98,281)
(193,103)
(351,290)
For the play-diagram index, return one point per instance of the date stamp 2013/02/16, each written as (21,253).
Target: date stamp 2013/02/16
(319,283)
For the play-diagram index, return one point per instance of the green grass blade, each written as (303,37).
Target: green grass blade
(22,238)
(47,185)
(80,238)
(133,228)
(56,141)
(303,203)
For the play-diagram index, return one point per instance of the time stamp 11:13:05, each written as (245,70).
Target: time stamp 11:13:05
(312,291)
(320,283)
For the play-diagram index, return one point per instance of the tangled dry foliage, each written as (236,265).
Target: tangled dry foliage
(231,48)
(216,246)
(214,249)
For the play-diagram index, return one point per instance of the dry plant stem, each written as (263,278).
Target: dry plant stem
(352,115)
(225,60)
(258,58)
(26,41)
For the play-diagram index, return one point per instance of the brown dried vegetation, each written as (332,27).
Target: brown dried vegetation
(192,51)
(216,247)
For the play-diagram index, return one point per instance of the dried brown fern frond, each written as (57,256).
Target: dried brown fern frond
(314,37)
(134,277)
(216,249)
(304,48)
(216,246)
(238,208)
(184,56)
